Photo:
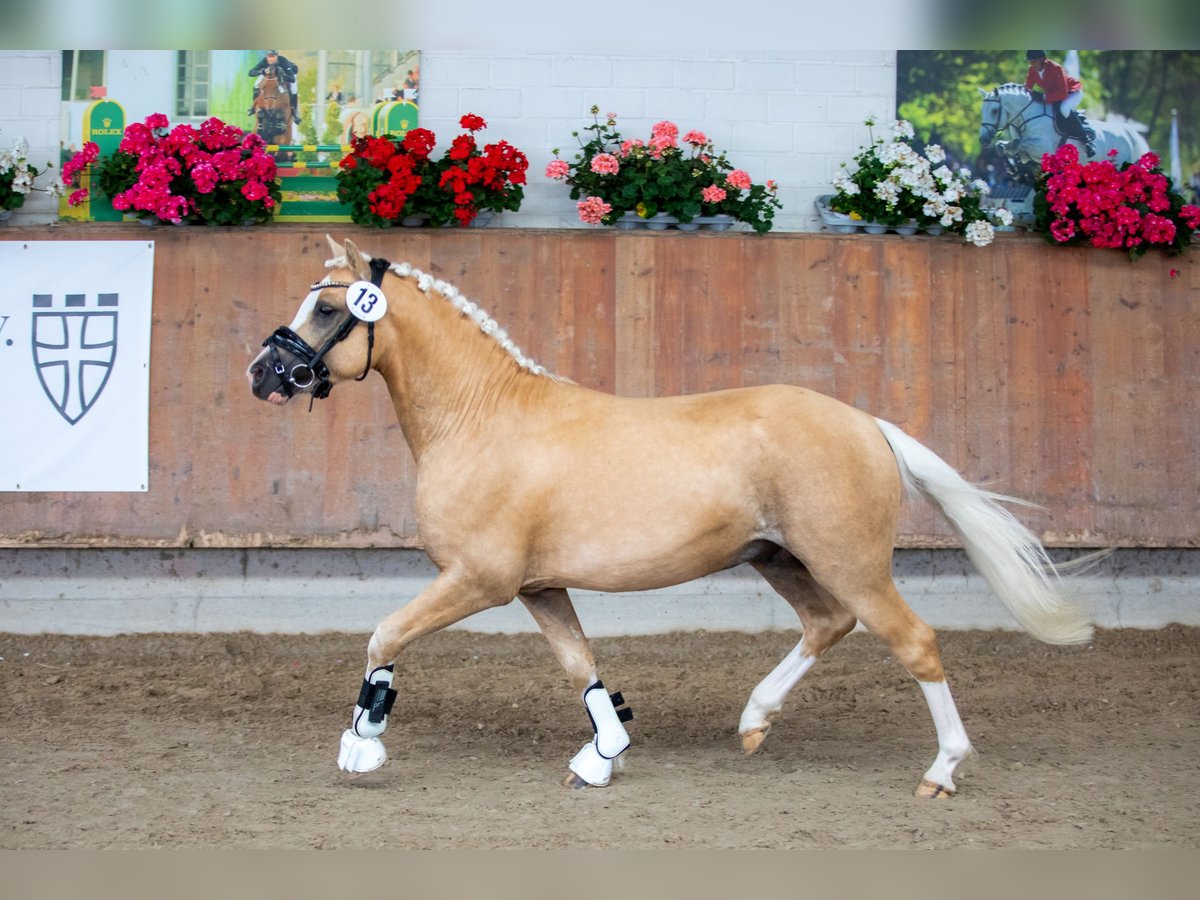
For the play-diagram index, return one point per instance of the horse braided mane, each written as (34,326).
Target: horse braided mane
(1011,88)
(468,308)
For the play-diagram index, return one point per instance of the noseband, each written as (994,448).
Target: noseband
(310,370)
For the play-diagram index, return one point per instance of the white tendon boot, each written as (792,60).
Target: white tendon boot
(594,762)
(361,749)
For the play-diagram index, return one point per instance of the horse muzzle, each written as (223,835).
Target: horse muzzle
(287,365)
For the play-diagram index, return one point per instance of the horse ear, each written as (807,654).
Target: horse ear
(355,261)
(334,247)
(982,91)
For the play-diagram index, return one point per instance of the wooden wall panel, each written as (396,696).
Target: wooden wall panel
(1068,377)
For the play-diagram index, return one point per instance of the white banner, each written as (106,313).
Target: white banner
(75,365)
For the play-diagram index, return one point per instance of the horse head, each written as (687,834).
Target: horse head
(322,346)
(1002,108)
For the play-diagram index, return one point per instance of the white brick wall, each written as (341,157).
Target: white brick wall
(788,117)
(30,88)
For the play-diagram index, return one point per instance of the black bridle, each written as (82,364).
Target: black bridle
(309,371)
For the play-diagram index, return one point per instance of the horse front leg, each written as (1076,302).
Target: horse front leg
(448,599)
(593,765)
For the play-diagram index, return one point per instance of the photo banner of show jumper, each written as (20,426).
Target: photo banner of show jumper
(332,97)
(75,363)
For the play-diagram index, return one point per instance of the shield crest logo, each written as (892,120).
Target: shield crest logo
(73,351)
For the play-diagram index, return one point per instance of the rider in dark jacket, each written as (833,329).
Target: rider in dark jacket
(287,73)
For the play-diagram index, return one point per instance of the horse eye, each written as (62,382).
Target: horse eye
(325,309)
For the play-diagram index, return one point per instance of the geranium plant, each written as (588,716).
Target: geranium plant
(18,177)
(216,174)
(387,179)
(684,177)
(1101,204)
(893,184)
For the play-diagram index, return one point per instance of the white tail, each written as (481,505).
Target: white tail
(1005,552)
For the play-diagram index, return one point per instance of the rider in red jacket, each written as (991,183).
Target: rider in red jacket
(1062,89)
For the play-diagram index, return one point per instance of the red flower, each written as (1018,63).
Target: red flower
(472,122)
(462,147)
(419,142)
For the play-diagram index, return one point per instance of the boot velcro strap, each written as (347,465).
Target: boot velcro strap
(377,700)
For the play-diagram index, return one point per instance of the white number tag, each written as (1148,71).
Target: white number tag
(366,301)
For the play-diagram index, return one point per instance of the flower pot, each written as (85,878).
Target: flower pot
(839,222)
(719,222)
(934,229)
(909,228)
(414,221)
(5,215)
(874,228)
(663,221)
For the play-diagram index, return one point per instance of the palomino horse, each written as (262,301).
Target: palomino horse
(529,484)
(1013,109)
(273,108)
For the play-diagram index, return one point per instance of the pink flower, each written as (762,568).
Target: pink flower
(593,209)
(628,147)
(695,138)
(658,145)
(1158,230)
(738,179)
(665,130)
(1062,230)
(254,190)
(605,164)
(558,170)
(157,120)
(77,197)
(206,178)
(713,194)
(79,162)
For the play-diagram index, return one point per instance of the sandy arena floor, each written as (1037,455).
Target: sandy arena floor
(230,741)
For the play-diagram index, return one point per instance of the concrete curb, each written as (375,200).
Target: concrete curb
(106,592)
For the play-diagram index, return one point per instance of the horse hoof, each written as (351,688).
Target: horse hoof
(753,739)
(358,755)
(576,783)
(930,790)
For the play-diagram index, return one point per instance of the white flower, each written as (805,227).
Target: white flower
(979,186)
(980,233)
(902,129)
(1003,216)
(935,153)
(845,184)
(888,192)
(943,174)
(950,215)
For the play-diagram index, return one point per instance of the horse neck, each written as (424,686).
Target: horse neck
(447,379)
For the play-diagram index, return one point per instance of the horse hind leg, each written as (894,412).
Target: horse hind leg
(879,606)
(825,622)
(594,764)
